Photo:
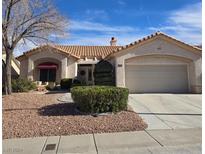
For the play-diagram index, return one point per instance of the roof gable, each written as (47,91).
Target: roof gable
(38,49)
(152,37)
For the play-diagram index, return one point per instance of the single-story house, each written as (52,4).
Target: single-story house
(156,63)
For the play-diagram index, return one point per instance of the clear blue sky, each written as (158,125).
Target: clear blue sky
(94,22)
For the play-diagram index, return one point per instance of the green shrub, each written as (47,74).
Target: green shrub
(66,83)
(104,73)
(77,82)
(22,85)
(98,99)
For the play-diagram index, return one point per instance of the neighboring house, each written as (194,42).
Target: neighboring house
(15,66)
(156,63)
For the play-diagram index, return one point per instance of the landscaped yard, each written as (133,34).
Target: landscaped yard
(35,114)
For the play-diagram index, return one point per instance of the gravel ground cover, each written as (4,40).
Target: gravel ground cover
(32,115)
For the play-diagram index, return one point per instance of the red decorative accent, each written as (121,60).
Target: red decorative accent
(47,65)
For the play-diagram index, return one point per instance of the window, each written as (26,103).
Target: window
(47,75)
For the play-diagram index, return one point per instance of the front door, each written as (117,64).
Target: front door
(85,74)
(48,75)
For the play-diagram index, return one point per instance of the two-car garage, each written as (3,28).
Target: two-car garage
(159,64)
(156,78)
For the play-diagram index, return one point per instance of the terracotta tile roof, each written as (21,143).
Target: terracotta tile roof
(144,39)
(77,51)
(87,51)
(107,51)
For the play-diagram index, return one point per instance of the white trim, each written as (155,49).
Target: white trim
(76,69)
(88,61)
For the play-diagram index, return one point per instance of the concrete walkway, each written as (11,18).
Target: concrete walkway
(65,98)
(168,111)
(146,142)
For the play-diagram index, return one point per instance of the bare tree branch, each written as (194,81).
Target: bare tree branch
(28,20)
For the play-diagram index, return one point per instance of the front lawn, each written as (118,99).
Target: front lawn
(33,114)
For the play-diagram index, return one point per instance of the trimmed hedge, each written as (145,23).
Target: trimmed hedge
(99,99)
(22,85)
(66,83)
(104,73)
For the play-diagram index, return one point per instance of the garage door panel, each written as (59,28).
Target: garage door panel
(146,78)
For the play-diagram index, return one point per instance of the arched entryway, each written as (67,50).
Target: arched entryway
(47,71)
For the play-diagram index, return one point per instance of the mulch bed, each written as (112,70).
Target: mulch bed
(32,115)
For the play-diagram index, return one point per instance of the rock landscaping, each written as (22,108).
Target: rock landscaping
(33,114)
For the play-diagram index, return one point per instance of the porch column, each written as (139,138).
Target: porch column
(93,68)
(64,62)
(76,69)
(30,69)
(120,72)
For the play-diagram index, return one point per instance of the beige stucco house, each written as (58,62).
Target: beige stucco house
(156,63)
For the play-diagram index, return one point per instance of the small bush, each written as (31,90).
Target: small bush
(22,85)
(77,82)
(66,83)
(98,99)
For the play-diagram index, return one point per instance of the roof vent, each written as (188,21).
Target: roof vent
(113,41)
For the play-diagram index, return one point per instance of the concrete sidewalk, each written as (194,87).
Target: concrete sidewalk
(177,141)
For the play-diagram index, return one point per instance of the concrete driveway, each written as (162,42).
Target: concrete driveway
(168,111)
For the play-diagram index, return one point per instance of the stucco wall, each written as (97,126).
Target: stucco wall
(198,75)
(163,48)
(72,68)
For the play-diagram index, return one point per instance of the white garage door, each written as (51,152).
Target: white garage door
(156,78)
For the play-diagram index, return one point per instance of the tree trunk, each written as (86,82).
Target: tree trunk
(8,88)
